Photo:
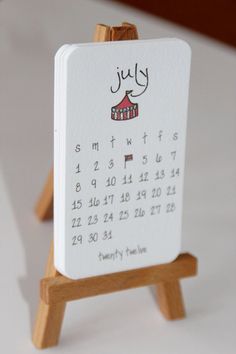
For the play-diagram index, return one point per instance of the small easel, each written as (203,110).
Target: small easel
(56,290)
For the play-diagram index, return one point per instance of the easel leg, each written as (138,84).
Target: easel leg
(169,297)
(48,325)
(49,318)
(44,207)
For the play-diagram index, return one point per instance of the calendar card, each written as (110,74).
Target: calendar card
(119,152)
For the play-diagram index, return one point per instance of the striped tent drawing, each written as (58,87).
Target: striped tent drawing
(125,110)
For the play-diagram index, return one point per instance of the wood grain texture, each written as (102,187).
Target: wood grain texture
(102,33)
(49,318)
(44,206)
(125,32)
(170,300)
(58,289)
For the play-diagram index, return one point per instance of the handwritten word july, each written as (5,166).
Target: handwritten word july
(140,77)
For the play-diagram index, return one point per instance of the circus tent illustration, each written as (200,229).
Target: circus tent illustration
(125,110)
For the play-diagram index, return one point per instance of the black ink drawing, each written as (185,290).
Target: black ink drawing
(140,78)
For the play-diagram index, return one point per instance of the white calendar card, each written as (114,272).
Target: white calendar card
(119,152)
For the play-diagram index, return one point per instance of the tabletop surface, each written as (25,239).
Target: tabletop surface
(129,321)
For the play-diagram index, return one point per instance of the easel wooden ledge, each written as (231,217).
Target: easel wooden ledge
(56,290)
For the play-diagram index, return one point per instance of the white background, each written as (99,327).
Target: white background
(125,322)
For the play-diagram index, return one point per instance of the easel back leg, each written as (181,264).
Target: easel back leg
(44,206)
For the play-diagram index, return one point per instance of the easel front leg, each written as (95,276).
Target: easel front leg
(48,324)
(49,318)
(170,300)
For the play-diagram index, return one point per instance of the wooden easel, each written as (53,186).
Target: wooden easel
(56,290)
